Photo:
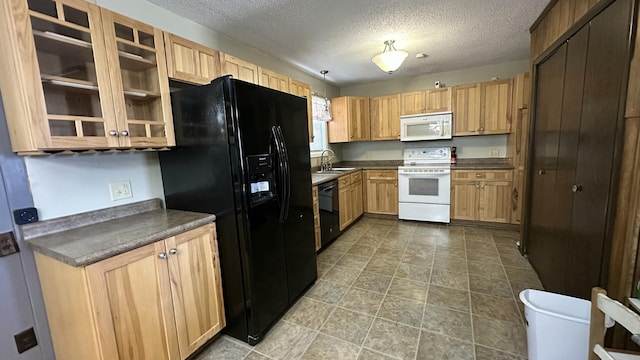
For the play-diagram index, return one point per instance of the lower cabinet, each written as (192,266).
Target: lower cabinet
(159,301)
(481,195)
(350,198)
(381,192)
(316,217)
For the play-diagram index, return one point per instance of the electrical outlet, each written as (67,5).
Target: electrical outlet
(120,190)
(494,152)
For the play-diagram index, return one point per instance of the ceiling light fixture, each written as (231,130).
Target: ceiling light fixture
(390,59)
(322,105)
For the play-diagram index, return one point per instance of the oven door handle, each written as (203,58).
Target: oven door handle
(424,175)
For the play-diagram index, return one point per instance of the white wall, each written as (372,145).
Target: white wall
(69,184)
(467,147)
(467,76)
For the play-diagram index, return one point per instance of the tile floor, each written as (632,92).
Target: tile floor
(390,289)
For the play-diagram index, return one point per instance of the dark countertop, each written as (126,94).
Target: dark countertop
(318,178)
(483,164)
(86,238)
(463,164)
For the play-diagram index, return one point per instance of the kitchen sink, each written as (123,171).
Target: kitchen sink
(338,170)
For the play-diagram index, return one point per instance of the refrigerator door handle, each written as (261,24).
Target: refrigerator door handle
(287,173)
(282,179)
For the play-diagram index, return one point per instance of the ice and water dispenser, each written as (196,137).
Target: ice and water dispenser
(261,178)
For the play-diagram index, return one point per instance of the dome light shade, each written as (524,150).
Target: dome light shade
(390,59)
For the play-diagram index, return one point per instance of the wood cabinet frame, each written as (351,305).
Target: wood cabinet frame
(189,61)
(163,314)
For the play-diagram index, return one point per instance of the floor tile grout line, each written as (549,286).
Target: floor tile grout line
(473,335)
(376,316)
(424,306)
(378,245)
(335,306)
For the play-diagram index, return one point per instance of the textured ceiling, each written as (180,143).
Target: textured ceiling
(343,35)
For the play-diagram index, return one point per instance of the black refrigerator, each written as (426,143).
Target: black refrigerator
(242,153)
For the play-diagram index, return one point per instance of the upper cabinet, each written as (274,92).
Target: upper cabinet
(385,117)
(350,119)
(239,68)
(495,111)
(437,100)
(79,77)
(425,101)
(466,109)
(301,89)
(273,80)
(483,108)
(135,53)
(191,62)
(412,103)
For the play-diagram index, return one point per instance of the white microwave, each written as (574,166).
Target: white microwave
(433,126)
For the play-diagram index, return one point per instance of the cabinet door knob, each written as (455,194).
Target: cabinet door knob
(576,188)
(162,255)
(481,129)
(113,133)
(541,172)
(124,133)
(173,251)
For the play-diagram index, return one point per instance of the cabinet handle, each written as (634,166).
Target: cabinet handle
(576,188)
(113,133)
(482,187)
(173,251)
(514,199)
(541,172)
(162,255)
(481,129)
(124,133)
(481,175)
(519,131)
(477,186)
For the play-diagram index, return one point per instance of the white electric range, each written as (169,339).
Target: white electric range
(424,184)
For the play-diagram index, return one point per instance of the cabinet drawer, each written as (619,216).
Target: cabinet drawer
(485,175)
(344,181)
(382,174)
(356,176)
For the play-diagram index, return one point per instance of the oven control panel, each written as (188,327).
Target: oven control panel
(427,155)
(418,170)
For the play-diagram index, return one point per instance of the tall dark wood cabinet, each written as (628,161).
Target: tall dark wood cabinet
(576,137)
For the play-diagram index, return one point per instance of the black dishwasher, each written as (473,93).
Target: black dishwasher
(329,211)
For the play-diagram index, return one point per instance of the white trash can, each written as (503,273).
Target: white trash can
(557,325)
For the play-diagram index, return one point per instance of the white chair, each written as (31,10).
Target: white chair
(602,307)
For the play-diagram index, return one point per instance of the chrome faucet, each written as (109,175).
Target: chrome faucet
(326,164)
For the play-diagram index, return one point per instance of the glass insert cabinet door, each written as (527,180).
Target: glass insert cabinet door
(71,60)
(140,86)
(77,76)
